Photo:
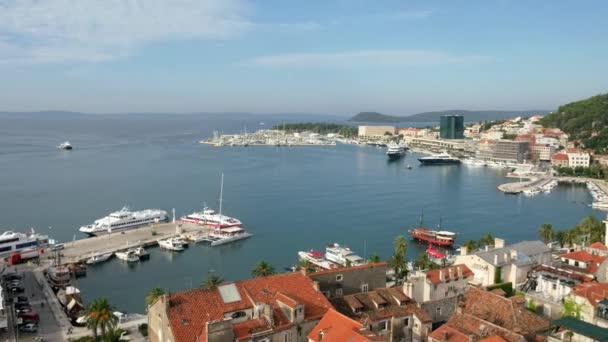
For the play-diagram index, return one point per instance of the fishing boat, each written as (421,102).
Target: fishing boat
(98,258)
(141,253)
(58,276)
(128,255)
(171,244)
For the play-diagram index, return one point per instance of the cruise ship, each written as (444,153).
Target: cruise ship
(342,256)
(439,159)
(124,220)
(394,151)
(11,242)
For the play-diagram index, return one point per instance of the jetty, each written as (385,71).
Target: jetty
(518,187)
(80,250)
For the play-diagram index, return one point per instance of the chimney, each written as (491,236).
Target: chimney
(459,267)
(446,335)
(464,251)
(451,272)
(441,276)
(495,259)
(499,243)
(506,256)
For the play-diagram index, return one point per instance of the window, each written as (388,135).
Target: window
(406,322)
(287,336)
(554,286)
(438,311)
(339,292)
(576,263)
(364,288)
(339,277)
(383,326)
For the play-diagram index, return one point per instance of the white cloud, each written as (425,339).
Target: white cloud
(365,58)
(95,30)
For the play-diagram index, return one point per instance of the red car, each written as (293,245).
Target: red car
(29,317)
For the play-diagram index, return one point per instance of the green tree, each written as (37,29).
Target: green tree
(153,295)
(471,246)
(486,240)
(100,314)
(570,308)
(546,232)
(570,238)
(212,281)
(374,258)
(307,265)
(113,335)
(262,269)
(560,236)
(398,262)
(423,262)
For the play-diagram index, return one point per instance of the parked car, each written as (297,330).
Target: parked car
(23,309)
(22,299)
(16,289)
(29,327)
(29,317)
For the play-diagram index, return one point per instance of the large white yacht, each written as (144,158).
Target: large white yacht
(14,242)
(342,256)
(211,218)
(439,159)
(317,259)
(124,220)
(394,151)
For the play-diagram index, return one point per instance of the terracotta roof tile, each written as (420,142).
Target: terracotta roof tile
(582,256)
(244,330)
(446,333)
(593,292)
(560,156)
(494,338)
(281,297)
(346,269)
(433,275)
(336,327)
(598,245)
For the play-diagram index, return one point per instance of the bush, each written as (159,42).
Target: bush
(143,329)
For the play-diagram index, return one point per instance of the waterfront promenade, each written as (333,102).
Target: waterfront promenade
(533,182)
(81,250)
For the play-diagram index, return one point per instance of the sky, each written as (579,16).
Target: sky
(316,56)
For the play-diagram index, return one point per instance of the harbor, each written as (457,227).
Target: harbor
(269,137)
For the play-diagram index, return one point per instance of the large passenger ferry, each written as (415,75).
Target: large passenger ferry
(124,220)
(15,242)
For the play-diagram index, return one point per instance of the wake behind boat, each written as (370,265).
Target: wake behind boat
(124,220)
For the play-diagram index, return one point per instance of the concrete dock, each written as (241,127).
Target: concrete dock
(517,187)
(81,250)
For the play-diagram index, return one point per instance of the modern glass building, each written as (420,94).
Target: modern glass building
(451,127)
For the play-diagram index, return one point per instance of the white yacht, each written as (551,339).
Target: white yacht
(439,159)
(128,255)
(98,258)
(394,151)
(226,235)
(210,218)
(171,244)
(342,256)
(65,145)
(124,220)
(14,242)
(317,259)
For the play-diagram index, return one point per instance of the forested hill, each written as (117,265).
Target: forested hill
(585,120)
(469,115)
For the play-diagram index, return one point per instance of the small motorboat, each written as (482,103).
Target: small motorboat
(65,145)
(141,253)
(128,256)
(171,244)
(97,258)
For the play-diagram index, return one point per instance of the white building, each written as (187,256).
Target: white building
(375,131)
(544,152)
(578,158)
(424,286)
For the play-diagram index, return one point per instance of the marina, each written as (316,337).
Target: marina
(271,138)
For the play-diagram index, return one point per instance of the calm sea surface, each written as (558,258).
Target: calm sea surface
(292,199)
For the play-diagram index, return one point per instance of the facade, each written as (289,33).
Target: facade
(582,262)
(486,316)
(578,158)
(451,127)
(284,307)
(334,326)
(591,297)
(375,131)
(438,144)
(560,160)
(505,264)
(387,312)
(543,152)
(350,280)
(436,290)
(511,151)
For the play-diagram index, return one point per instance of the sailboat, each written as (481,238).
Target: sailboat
(211,218)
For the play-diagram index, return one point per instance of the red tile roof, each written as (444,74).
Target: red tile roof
(346,269)
(494,338)
(286,300)
(582,256)
(198,306)
(446,333)
(598,245)
(593,292)
(560,156)
(336,327)
(593,261)
(433,275)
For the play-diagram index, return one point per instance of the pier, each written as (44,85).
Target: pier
(518,187)
(81,250)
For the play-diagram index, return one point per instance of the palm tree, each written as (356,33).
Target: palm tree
(100,314)
(374,258)
(154,294)
(470,245)
(546,232)
(212,281)
(560,236)
(398,261)
(570,238)
(113,335)
(306,265)
(486,240)
(262,269)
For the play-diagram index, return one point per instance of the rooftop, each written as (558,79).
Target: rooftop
(434,275)
(348,269)
(446,333)
(593,292)
(525,250)
(579,327)
(334,326)
(560,156)
(599,246)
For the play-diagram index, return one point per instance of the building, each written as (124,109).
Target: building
(284,307)
(543,152)
(560,160)
(375,131)
(437,290)
(547,286)
(582,262)
(578,158)
(350,280)
(438,144)
(591,299)
(505,264)
(574,330)
(483,316)
(334,326)
(451,127)
(387,312)
(511,151)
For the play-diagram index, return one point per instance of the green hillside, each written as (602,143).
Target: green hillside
(469,115)
(585,120)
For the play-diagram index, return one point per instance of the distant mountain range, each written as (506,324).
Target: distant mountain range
(469,115)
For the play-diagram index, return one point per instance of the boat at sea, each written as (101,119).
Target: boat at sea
(394,151)
(65,145)
(128,255)
(124,219)
(99,258)
(212,218)
(342,256)
(11,241)
(316,258)
(171,244)
(227,235)
(439,159)
(440,238)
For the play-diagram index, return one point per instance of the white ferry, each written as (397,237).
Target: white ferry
(342,256)
(15,242)
(211,218)
(124,220)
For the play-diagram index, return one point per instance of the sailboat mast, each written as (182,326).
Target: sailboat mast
(221,193)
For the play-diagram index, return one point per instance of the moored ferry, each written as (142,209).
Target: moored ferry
(15,242)
(211,218)
(124,220)
(439,159)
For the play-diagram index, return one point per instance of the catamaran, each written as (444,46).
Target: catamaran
(124,220)
(211,218)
